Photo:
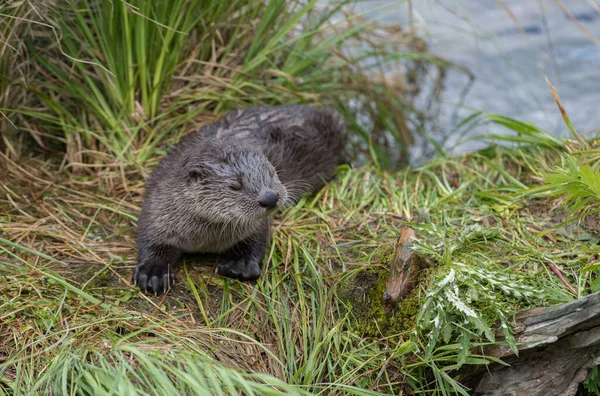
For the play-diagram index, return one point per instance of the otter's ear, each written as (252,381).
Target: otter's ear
(203,170)
(198,172)
(195,174)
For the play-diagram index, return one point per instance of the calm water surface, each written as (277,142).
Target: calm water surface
(506,61)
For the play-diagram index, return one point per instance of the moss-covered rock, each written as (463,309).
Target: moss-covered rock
(370,315)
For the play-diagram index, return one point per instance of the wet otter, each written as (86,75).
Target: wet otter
(216,190)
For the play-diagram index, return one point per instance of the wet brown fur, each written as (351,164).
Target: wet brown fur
(204,196)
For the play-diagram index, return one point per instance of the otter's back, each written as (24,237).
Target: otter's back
(304,144)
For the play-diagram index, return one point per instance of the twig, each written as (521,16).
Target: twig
(556,270)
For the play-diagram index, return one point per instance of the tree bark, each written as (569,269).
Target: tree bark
(557,347)
(404,269)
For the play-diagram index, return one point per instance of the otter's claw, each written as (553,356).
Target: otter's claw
(156,279)
(241,269)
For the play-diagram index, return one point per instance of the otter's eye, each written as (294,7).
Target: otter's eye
(236,185)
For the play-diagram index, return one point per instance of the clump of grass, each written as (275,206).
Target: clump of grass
(167,371)
(574,179)
(69,317)
(526,133)
(578,184)
(12,69)
(115,81)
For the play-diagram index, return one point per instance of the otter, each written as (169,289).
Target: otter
(217,189)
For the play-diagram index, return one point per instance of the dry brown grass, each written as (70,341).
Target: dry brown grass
(68,247)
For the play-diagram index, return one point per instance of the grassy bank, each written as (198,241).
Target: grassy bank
(490,222)
(110,83)
(92,93)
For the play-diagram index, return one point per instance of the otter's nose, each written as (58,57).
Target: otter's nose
(268,199)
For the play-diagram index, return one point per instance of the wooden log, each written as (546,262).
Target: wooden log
(558,345)
(404,269)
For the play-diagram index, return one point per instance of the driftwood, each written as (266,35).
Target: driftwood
(404,269)
(557,347)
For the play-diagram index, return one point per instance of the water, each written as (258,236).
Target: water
(506,62)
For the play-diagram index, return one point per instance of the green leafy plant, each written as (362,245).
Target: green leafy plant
(452,308)
(592,382)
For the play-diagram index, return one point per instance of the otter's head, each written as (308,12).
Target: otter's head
(233,184)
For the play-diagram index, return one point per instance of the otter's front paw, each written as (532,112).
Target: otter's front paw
(154,278)
(239,268)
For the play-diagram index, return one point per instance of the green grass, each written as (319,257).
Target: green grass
(70,322)
(112,82)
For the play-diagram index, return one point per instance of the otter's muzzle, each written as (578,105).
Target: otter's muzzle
(268,199)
